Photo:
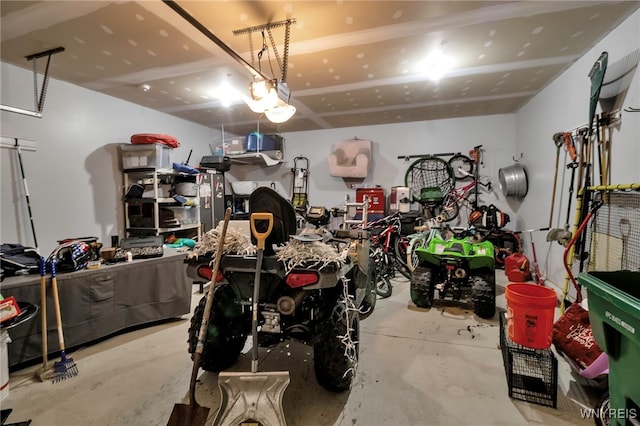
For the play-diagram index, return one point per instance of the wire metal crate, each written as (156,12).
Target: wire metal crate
(532,374)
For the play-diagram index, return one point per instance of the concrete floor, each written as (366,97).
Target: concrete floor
(417,367)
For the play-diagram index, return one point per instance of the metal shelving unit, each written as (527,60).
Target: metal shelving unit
(143,214)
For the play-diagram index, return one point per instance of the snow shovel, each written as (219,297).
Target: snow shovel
(193,414)
(254,397)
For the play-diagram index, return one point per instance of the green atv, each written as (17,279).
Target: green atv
(453,266)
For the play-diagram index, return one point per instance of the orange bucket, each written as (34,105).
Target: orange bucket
(530,311)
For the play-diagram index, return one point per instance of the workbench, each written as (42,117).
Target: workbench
(99,302)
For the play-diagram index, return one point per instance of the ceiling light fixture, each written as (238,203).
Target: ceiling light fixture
(226,94)
(436,65)
(280,113)
(270,97)
(279,110)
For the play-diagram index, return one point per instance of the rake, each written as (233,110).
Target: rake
(66,367)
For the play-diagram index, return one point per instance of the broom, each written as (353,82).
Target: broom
(66,367)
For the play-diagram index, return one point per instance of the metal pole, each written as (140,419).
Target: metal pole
(26,193)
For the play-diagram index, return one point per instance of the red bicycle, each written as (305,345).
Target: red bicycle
(388,252)
(450,208)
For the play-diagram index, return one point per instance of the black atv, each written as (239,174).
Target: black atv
(319,303)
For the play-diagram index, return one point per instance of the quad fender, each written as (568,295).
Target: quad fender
(476,255)
(328,277)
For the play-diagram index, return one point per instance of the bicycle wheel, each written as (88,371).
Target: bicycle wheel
(381,278)
(416,240)
(448,212)
(429,179)
(462,166)
(383,287)
(400,246)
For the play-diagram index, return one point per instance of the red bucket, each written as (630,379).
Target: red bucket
(530,311)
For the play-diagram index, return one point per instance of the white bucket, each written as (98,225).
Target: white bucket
(4,364)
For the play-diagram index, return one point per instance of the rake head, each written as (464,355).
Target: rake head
(64,369)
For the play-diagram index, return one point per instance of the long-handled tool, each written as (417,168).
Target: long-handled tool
(568,251)
(66,367)
(254,397)
(563,235)
(558,141)
(44,372)
(193,414)
(26,193)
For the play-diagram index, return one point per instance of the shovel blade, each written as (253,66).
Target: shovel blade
(188,415)
(252,396)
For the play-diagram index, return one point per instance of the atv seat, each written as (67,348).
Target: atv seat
(455,248)
(266,200)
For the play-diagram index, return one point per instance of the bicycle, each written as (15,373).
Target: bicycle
(420,239)
(450,208)
(388,251)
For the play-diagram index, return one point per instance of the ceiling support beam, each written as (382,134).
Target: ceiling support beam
(228,50)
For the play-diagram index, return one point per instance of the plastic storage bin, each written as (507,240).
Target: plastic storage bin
(614,313)
(255,141)
(243,187)
(145,156)
(185,215)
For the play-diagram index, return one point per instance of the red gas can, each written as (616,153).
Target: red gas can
(516,267)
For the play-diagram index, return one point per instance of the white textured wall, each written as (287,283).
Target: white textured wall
(564,105)
(74,179)
(495,133)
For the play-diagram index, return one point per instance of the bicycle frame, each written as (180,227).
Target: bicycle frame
(384,238)
(450,206)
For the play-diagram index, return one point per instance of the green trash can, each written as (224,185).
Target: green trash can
(614,313)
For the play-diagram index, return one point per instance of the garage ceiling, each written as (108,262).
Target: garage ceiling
(351,63)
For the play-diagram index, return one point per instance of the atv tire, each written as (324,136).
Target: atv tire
(371,296)
(483,295)
(334,363)
(224,339)
(422,288)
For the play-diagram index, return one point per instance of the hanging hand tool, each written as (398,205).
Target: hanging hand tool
(26,193)
(558,140)
(567,253)
(564,235)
